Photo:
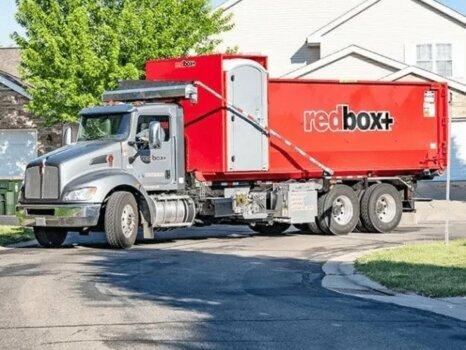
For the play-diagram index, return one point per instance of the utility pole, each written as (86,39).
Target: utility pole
(448,190)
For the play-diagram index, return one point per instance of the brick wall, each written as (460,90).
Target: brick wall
(14,116)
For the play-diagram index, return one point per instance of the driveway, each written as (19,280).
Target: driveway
(209,288)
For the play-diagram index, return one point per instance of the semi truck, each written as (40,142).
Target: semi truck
(214,140)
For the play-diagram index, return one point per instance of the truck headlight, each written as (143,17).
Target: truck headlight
(81,194)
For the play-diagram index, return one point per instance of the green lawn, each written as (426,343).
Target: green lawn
(14,234)
(434,270)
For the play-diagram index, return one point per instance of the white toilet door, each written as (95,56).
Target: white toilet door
(248,148)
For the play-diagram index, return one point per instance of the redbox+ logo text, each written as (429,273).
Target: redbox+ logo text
(345,120)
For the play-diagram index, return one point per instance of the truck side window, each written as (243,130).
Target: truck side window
(144,123)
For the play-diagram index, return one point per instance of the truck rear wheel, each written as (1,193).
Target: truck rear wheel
(360,226)
(311,228)
(381,208)
(339,211)
(121,220)
(314,227)
(302,227)
(50,237)
(274,229)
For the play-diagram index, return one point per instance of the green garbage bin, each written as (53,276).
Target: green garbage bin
(2,204)
(9,192)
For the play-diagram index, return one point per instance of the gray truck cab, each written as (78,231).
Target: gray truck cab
(125,170)
(126,164)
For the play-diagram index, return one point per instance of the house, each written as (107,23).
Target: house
(295,33)
(22,137)
(355,39)
(386,40)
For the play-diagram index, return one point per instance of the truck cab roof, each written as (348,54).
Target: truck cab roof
(121,108)
(113,109)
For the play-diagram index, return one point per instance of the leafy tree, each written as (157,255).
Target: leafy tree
(74,50)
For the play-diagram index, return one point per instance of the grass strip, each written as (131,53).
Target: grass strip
(14,234)
(433,269)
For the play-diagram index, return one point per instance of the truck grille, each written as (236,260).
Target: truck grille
(32,183)
(41,186)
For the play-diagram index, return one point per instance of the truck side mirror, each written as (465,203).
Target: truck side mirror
(67,137)
(156,135)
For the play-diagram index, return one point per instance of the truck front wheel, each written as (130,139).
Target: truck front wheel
(381,208)
(121,220)
(50,237)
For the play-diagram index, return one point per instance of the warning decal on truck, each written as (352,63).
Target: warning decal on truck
(429,104)
(343,119)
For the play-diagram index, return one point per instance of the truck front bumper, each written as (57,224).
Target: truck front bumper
(67,215)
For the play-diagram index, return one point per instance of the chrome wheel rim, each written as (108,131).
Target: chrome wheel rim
(385,208)
(342,210)
(128,220)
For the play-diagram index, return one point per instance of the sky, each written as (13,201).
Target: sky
(8,24)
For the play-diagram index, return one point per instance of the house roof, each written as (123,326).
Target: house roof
(14,84)
(402,69)
(368,3)
(316,37)
(412,70)
(338,55)
(228,4)
(10,59)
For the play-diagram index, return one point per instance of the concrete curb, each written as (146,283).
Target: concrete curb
(341,277)
(26,244)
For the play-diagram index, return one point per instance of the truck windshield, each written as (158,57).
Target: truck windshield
(104,127)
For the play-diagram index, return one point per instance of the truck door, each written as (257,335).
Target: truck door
(248,148)
(154,168)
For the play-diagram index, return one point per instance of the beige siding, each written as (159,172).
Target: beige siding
(458,106)
(394,27)
(412,78)
(279,28)
(351,67)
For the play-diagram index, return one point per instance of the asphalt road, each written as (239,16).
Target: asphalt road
(211,288)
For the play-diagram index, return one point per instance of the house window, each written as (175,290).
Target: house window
(436,58)
(444,60)
(424,57)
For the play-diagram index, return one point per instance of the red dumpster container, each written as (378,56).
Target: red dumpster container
(357,129)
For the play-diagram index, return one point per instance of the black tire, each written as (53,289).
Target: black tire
(360,226)
(315,229)
(374,202)
(319,225)
(302,227)
(339,197)
(311,228)
(50,237)
(270,230)
(121,233)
